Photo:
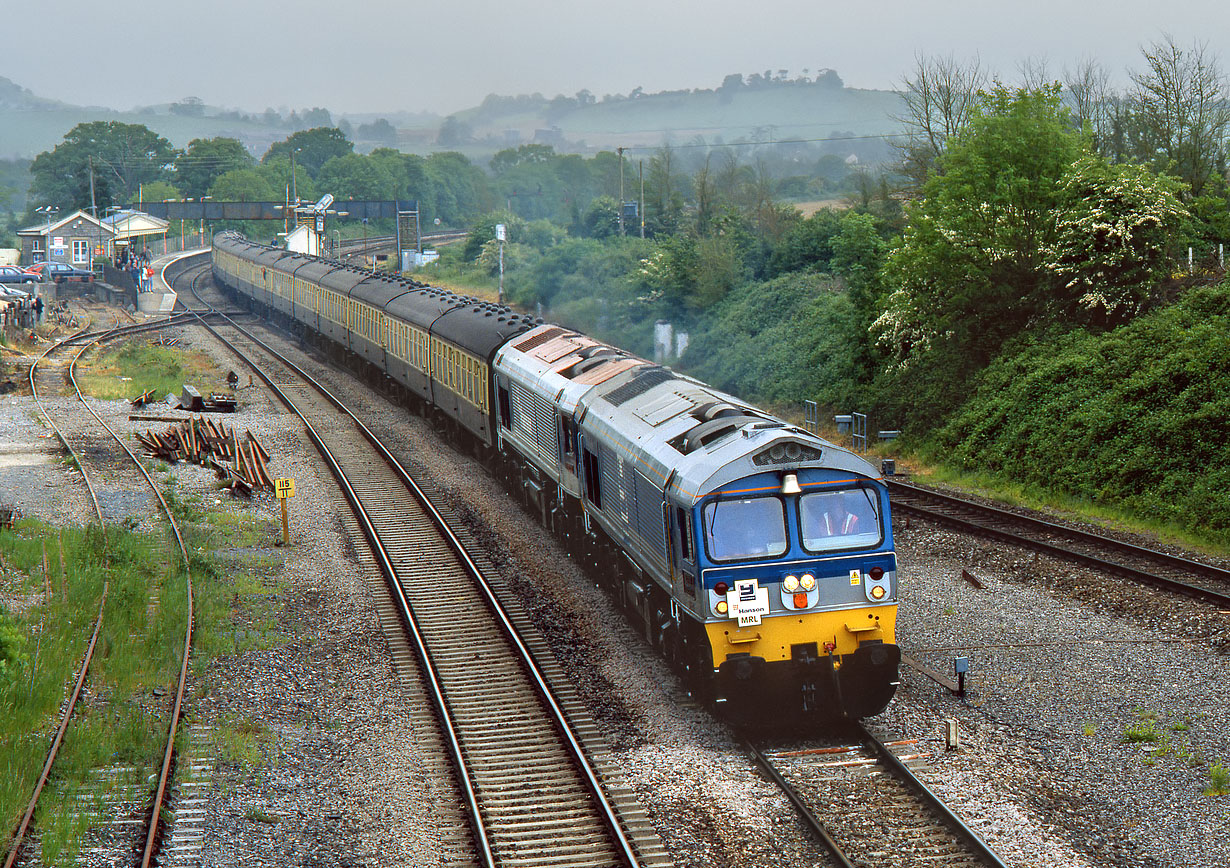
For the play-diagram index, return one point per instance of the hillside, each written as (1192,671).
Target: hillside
(766,111)
(760,109)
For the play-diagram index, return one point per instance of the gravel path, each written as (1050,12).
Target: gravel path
(1062,664)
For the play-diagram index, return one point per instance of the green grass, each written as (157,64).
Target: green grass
(1143,732)
(138,652)
(244,742)
(129,369)
(133,655)
(257,815)
(1219,780)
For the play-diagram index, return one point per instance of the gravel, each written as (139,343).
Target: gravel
(1063,663)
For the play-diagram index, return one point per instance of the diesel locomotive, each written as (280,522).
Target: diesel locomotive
(757,557)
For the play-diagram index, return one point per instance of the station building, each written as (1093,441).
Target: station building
(78,239)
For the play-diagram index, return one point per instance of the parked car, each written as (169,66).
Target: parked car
(60,272)
(13,274)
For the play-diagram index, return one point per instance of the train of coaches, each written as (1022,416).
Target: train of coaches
(758,558)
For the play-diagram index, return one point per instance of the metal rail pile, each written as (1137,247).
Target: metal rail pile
(207,443)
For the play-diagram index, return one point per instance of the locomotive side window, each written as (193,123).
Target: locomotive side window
(682,526)
(844,519)
(567,451)
(505,406)
(593,483)
(753,527)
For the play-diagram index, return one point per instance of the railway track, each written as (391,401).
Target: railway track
(868,808)
(138,840)
(529,765)
(1192,578)
(360,246)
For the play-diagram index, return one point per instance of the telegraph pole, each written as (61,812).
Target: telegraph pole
(620,151)
(93,206)
(641,170)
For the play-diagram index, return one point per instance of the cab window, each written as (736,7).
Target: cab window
(753,527)
(846,519)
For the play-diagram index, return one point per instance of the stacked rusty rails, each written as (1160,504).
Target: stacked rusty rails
(239,462)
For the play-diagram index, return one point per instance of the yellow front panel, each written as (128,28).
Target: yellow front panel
(772,638)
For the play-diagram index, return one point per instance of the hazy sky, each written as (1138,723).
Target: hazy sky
(390,55)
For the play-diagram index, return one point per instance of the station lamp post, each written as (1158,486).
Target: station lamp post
(50,211)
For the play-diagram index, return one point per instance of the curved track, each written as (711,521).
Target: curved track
(148,846)
(533,795)
(1159,569)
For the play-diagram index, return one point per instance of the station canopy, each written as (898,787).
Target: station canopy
(128,224)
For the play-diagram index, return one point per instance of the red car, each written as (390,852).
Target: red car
(60,272)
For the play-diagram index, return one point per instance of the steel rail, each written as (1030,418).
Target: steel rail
(149,850)
(64,440)
(1136,573)
(92,338)
(805,813)
(19,837)
(538,678)
(386,567)
(890,759)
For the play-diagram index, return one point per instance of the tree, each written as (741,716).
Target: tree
(807,245)
(938,100)
(663,193)
(969,273)
(461,188)
(192,107)
(121,157)
(205,160)
(1088,95)
(510,158)
(454,132)
(379,131)
(1114,235)
(1182,108)
(601,218)
(311,148)
(316,117)
(353,176)
(244,185)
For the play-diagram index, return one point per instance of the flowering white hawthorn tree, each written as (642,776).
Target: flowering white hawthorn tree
(1113,235)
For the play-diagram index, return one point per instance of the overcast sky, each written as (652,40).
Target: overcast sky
(391,55)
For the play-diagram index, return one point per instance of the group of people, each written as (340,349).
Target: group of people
(137,264)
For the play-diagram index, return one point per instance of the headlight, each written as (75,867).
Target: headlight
(721,608)
(878,592)
(808,582)
(791,583)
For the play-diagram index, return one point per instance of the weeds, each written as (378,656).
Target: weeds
(1219,780)
(257,815)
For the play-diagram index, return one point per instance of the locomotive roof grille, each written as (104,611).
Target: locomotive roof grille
(538,340)
(639,385)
